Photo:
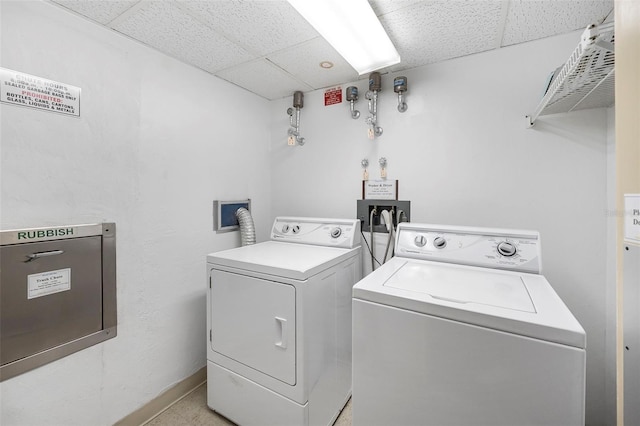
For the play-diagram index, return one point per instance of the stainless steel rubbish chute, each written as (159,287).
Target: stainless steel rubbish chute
(57,293)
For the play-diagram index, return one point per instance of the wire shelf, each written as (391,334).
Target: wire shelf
(587,79)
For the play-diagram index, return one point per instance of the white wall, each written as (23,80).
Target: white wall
(154,146)
(462,155)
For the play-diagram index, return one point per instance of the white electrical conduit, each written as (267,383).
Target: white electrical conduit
(247,229)
(388,218)
(373,264)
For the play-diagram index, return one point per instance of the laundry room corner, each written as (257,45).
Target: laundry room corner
(254,207)
(462,155)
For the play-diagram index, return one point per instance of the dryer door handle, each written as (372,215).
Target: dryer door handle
(282,331)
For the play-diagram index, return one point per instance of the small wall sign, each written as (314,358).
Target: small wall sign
(379,189)
(47,283)
(18,88)
(632,218)
(333,96)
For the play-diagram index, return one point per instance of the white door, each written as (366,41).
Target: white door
(253,323)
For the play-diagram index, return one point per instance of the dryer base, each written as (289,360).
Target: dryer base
(248,403)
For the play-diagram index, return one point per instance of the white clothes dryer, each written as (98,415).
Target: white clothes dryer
(461,328)
(279,324)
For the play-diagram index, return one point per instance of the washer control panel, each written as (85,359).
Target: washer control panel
(515,250)
(420,240)
(344,233)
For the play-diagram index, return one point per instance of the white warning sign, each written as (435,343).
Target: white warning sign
(46,283)
(22,89)
(632,218)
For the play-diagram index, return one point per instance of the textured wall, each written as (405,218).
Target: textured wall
(156,143)
(463,156)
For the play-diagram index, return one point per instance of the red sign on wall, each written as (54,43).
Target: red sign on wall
(333,96)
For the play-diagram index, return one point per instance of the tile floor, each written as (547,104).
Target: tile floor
(192,410)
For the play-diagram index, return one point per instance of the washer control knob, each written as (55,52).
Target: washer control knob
(285,228)
(336,232)
(439,242)
(507,249)
(295,229)
(420,240)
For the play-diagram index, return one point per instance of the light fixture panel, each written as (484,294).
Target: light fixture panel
(353,29)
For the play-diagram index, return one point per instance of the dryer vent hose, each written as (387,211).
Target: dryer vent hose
(247,229)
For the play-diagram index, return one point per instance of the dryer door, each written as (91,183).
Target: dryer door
(253,323)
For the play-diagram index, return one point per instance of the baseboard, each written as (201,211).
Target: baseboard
(163,401)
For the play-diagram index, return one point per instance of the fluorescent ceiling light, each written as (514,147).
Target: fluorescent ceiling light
(353,29)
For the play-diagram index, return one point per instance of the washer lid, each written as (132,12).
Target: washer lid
(288,260)
(514,302)
(444,282)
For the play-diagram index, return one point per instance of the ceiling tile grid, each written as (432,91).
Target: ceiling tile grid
(303,62)
(164,26)
(102,12)
(380,7)
(434,31)
(533,19)
(261,27)
(263,78)
(266,47)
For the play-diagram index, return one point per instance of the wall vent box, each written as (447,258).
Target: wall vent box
(57,293)
(365,207)
(224,214)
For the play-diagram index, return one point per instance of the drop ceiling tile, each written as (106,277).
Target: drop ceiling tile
(381,7)
(264,79)
(100,11)
(433,31)
(168,28)
(530,20)
(261,27)
(238,39)
(303,62)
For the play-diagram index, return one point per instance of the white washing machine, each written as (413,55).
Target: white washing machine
(460,328)
(279,324)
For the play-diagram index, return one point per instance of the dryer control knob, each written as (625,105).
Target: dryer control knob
(439,242)
(336,232)
(507,249)
(285,229)
(420,240)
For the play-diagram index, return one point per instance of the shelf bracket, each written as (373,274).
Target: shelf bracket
(581,75)
(530,122)
(602,44)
